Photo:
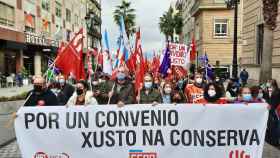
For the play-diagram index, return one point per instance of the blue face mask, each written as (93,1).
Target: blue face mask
(247,97)
(180,83)
(148,85)
(121,76)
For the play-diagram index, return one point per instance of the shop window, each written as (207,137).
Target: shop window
(57,9)
(221,28)
(7,15)
(29,22)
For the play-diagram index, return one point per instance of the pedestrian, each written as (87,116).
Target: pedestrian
(231,91)
(195,91)
(82,96)
(212,95)
(40,95)
(148,94)
(122,91)
(220,83)
(66,90)
(244,75)
(272,97)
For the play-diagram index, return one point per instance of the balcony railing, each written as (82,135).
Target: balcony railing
(207,4)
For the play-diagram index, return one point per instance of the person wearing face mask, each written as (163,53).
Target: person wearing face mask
(178,95)
(231,92)
(272,97)
(148,94)
(212,95)
(167,93)
(122,91)
(195,91)
(82,97)
(65,90)
(40,95)
(245,96)
(101,88)
(257,95)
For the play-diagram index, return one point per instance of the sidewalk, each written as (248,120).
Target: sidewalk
(9,92)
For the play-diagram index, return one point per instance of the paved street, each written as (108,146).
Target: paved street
(8,92)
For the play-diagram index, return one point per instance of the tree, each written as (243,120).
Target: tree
(270,13)
(171,22)
(124,10)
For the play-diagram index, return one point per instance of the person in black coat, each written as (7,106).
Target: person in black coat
(272,97)
(40,95)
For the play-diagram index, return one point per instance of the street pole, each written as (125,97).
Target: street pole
(235,42)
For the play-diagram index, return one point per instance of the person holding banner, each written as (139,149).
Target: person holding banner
(40,95)
(212,95)
(149,95)
(195,91)
(122,91)
(82,96)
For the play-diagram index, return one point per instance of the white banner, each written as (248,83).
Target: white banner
(179,54)
(142,131)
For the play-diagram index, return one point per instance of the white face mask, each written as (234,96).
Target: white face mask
(95,83)
(198,80)
(211,93)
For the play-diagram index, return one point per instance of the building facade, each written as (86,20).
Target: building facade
(188,20)
(31,31)
(252,51)
(211,23)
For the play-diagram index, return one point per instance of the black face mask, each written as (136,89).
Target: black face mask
(38,88)
(79,91)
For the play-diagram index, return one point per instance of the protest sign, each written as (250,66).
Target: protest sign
(178,54)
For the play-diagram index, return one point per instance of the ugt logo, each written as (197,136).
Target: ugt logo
(141,154)
(238,154)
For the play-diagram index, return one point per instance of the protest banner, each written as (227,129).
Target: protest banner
(142,131)
(178,54)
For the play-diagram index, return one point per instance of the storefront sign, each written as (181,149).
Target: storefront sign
(40,40)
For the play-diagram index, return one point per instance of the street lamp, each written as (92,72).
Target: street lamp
(233,4)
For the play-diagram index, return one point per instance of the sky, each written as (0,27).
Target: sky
(147,17)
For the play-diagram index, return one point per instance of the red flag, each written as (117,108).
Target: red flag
(193,52)
(70,60)
(29,19)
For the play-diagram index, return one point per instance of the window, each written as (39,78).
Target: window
(220,1)
(68,15)
(46,5)
(29,22)
(57,9)
(197,32)
(76,20)
(7,15)
(221,28)
(68,35)
(260,33)
(46,27)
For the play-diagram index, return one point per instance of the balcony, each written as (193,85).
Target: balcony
(97,4)
(96,18)
(207,5)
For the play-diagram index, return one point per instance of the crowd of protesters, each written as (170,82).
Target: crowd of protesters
(103,90)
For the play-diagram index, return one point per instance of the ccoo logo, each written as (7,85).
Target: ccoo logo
(238,154)
(40,155)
